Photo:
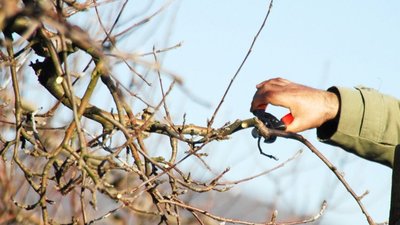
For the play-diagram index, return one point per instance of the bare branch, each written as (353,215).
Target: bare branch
(265,132)
(78,166)
(241,65)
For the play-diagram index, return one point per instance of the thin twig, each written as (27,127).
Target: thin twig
(143,21)
(264,131)
(295,156)
(241,65)
(235,221)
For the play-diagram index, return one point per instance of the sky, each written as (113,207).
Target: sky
(316,43)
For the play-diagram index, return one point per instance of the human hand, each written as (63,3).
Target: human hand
(310,107)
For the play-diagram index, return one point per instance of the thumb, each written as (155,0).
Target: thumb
(291,125)
(294,126)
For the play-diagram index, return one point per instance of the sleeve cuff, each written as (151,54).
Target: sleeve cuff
(361,124)
(349,116)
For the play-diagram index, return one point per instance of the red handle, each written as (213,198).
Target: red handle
(287,119)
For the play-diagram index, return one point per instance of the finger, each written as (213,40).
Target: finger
(281,81)
(262,101)
(255,107)
(259,101)
(273,82)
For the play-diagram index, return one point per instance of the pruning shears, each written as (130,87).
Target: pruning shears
(272,122)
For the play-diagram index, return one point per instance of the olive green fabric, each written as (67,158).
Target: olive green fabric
(368,124)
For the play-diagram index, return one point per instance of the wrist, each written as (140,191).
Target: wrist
(329,127)
(332,105)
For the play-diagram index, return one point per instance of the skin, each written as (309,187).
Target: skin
(310,107)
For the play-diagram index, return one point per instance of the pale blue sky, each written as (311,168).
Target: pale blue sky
(317,43)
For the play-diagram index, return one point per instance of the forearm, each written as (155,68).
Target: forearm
(368,124)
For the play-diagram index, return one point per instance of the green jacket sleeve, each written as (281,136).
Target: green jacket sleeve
(368,124)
